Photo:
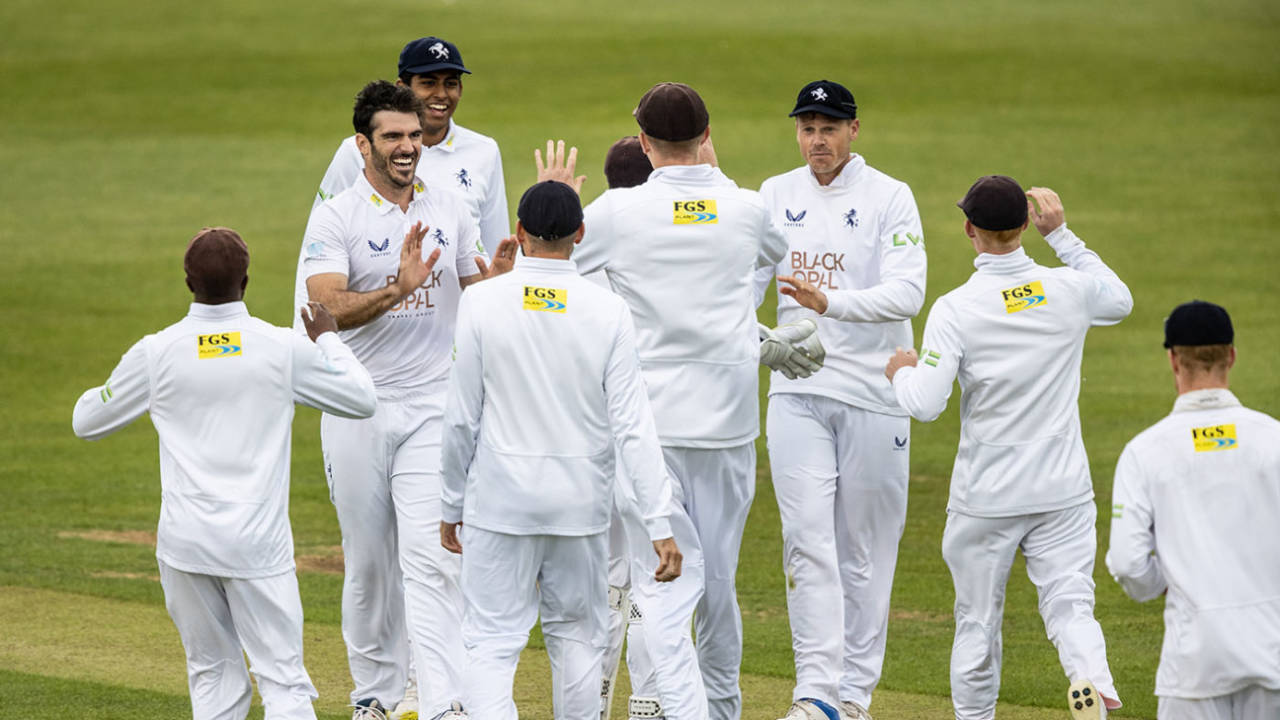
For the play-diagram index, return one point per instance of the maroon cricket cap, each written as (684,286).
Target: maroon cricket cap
(216,259)
(626,165)
(672,111)
(995,202)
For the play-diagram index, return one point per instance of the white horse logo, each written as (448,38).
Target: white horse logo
(819,94)
(440,51)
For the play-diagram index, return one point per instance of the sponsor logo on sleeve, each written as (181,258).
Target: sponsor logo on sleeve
(694,212)
(324,196)
(1024,297)
(930,357)
(105,393)
(1214,437)
(910,238)
(1117,511)
(545,299)
(217,345)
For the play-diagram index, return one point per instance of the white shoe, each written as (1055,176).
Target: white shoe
(1084,701)
(369,709)
(810,709)
(407,708)
(454,712)
(850,710)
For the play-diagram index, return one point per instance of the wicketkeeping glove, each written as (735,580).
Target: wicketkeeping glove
(793,349)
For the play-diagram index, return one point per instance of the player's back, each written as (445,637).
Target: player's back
(1022,328)
(681,250)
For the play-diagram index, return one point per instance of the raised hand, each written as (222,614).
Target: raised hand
(414,270)
(504,258)
(558,167)
(1045,208)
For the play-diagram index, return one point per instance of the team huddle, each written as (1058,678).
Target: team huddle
(560,424)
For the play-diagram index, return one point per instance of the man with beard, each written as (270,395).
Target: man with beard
(395,303)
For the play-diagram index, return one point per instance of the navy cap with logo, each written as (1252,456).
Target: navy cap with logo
(429,54)
(550,210)
(826,98)
(1198,323)
(995,202)
(673,112)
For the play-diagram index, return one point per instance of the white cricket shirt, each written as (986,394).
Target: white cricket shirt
(1201,489)
(359,234)
(1014,335)
(682,250)
(465,161)
(546,379)
(220,386)
(859,240)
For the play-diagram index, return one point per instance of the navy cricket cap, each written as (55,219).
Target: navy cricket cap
(1198,323)
(626,165)
(995,202)
(827,98)
(673,112)
(429,54)
(550,210)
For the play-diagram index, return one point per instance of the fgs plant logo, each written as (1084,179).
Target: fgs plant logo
(1024,297)
(1214,437)
(694,212)
(217,345)
(545,299)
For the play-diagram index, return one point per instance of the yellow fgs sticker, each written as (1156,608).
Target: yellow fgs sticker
(1024,297)
(217,345)
(694,212)
(545,299)
(1214,437)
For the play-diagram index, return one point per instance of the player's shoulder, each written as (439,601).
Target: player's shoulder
(883,181)
(791,180)
(469,139)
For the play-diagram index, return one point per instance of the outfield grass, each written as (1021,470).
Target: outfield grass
(124,127)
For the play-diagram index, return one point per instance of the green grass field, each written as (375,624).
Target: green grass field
(125,127)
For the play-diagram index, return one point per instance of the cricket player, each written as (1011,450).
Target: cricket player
(838,440)
(1014,335)
(1196,498)
(396,303)
(452,156)
(529,462)
(220,386)
(682,250)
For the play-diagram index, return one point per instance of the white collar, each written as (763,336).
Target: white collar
(1207,399)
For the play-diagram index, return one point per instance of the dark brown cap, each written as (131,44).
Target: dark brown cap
(1198,323)
(995,202)
(216,262)
(626,165)
(672,111)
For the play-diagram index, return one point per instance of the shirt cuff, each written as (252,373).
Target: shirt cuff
(837,305)
(659,528)
(451,514)
(329,341)
(1061,238)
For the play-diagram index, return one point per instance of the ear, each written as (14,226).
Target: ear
(244,284)
(582,229)
(1173,362)
(854,127)
(189,285)
(1231,358)
(968,229)
(645,146)
(363,144)
(522,237)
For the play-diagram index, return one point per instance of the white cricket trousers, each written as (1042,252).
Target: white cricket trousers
(1060,548)
(662,661)
(1251,703)
(718,485)
(840,475)
(384,480)
(220,621)
(507,580)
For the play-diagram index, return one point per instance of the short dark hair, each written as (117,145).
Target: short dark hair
(216,263)
(626,165)
(381,95)
(1200,359)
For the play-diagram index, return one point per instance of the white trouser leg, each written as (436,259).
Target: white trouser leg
(1250,703)
(802,455)
(216,674)
(1060,549)
(268,618)
(500,585)
(357,455)
(432,575)
(619,583)
(718,486)
(661,658)
(979,553)
(574,608)
(871,513)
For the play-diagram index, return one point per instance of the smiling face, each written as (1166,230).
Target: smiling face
(440,92)
(391,156)
(824,142)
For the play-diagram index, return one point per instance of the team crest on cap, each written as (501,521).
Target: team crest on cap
(463,178)
(440,51)
(819,94)
(851,218)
